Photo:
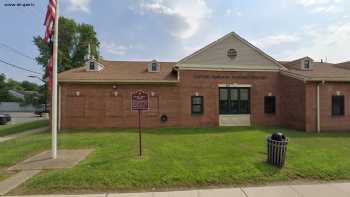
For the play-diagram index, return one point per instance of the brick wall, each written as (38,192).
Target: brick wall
(97,106)
(329,122)
(310,107)
(205,83)
(292,102)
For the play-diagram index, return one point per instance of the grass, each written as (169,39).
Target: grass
(180,158)
(17,128)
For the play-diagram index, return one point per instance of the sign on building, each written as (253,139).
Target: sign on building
(139,101)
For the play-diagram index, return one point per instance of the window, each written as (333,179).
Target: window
(92,65)
(270,104)
(338,106)
(154,67)
(234,100)
(306,64)
(197,104)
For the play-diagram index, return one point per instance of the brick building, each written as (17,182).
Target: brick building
(230,82)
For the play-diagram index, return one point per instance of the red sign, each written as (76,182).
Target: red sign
(139,100)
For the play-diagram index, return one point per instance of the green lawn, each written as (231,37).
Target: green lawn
(180,158)
(20,127)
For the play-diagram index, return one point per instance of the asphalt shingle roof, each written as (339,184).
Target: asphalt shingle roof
(121,71)
(322,71)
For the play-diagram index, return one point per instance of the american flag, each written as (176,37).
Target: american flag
(49,31)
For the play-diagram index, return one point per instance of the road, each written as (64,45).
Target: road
(21,117)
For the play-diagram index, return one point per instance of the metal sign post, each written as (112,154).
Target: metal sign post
(140,136)
(139,102)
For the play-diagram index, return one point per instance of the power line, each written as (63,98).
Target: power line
(16,51)
(19,67)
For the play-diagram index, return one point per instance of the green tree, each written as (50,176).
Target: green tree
(29,86)
(73,42)
(73,39)
(5,95)
(14,85)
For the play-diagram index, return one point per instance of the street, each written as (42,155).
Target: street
(22,117)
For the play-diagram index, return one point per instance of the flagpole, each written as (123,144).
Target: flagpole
(54,87)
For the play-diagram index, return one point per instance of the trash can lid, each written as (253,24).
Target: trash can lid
(278,136)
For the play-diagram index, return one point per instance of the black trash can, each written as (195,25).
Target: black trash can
(277,149)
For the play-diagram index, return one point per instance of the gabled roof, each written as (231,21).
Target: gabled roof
(345,65)
(295,64)
(122,72)
(183,62)
(320,72)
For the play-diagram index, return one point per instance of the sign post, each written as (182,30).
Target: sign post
(140,138)
(139,102)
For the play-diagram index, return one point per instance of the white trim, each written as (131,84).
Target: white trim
(59,107)
(228,69)
(318,107)
(234,85)
(235,120)
(150,66)
(240,39)
(293,75)
(315,79)
(117,81)
(98,66)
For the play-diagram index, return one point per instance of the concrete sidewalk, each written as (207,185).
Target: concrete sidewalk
(22,134)
(316,190)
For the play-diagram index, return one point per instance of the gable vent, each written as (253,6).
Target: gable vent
(232,53)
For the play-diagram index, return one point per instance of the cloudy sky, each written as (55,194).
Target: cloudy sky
(171,29)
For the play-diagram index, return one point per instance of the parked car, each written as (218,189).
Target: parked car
(4,119)
(44,108)
(8,117)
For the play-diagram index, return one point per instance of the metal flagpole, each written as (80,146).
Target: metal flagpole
(54,87)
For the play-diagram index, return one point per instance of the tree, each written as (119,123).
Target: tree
(29,86)
(73,39)
(14,85)
(5,95)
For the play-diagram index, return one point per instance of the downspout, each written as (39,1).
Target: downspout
(318,107)
(59,107)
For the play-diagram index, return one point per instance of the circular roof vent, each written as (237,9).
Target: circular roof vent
(232,53)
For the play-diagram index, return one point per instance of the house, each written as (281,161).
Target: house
(230,82)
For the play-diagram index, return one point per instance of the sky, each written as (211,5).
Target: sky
(168,30)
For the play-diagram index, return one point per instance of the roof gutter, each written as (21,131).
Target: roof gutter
(121,81)
(226,69)
(315,79)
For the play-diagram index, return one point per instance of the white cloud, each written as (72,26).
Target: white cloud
(192,12)
(308,3)
(116,49)
(230,12)
(322,6)
(79,5)
(328,9)
(332,43)
(273,40)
